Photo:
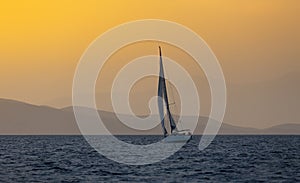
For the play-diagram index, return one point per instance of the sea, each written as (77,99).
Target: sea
(237,158)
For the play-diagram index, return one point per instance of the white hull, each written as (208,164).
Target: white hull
(176,138)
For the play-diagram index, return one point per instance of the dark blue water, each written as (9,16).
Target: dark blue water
(228,158)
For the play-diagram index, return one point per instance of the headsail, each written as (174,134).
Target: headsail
(162,92)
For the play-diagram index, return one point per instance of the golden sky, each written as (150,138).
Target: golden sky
(41,42)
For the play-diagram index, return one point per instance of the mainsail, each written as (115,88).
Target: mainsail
(162,93)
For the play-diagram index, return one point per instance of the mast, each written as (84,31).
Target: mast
(162,92)
(160,96)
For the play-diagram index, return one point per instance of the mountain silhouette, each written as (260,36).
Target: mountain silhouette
(19,118)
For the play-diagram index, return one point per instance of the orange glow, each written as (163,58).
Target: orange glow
(42,41)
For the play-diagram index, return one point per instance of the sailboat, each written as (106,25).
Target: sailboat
(175,135)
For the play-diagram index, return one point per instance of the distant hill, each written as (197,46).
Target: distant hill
(26,119)
(22,118)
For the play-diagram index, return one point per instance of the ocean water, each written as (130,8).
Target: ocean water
(227,159)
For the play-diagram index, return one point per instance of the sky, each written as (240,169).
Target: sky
(257,43)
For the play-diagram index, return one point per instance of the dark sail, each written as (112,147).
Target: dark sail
(162,92)
(160,102)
